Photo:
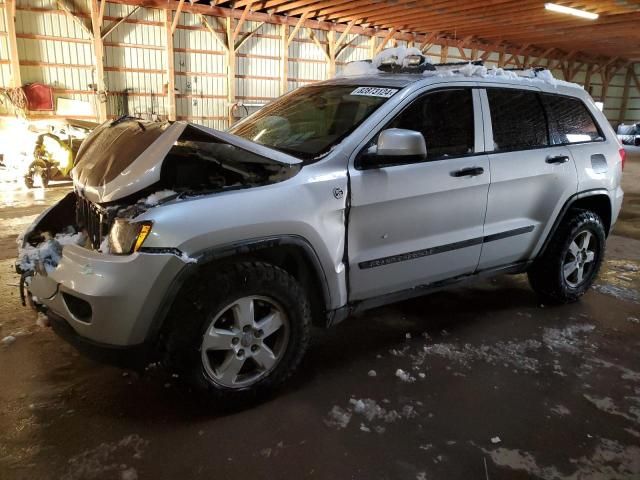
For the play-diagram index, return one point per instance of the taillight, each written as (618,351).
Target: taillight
(623,156)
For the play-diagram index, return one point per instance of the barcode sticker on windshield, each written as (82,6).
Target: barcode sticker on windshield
(375,92)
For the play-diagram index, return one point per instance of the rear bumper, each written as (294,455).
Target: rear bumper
(107,300)
(617,197)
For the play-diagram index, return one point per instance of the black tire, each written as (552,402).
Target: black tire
(546,275)
(201,300)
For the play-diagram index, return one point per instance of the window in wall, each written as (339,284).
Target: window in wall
(518,120)
(570,121)
(445,119)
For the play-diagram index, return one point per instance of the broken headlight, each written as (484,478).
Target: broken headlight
(126,237)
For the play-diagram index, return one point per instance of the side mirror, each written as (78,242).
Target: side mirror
(396,146)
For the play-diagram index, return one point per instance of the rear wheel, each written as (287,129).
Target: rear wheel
(572,260)
(239,332)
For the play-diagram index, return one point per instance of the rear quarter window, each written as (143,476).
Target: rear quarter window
(570,120)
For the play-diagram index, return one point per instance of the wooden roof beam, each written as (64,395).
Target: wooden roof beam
(213,32)
(70,14)
(116,23)
(241,21)
(298,25)
(385,40)
(428,41)
(176,17)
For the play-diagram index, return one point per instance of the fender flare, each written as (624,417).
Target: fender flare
(243,247)
(565,208)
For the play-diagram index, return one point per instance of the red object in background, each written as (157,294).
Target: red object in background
(39,97)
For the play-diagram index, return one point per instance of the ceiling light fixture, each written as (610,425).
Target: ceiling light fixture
(554,7)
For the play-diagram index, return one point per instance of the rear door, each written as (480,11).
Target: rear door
(421,222)
(530,177)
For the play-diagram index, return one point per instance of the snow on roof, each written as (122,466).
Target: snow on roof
(472,69)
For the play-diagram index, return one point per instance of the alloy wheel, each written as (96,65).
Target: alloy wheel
(579,260)
(245,341)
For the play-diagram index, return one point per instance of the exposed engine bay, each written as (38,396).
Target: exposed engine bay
(184,160)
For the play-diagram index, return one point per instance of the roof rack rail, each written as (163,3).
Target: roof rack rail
(478,63)
(522,69)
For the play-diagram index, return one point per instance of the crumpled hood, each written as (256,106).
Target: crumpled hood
(123,157)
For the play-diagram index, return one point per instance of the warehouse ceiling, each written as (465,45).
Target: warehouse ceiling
(524,24)
(616,33)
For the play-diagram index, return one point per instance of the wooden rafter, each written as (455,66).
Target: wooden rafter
(103,4)
(213,32)
(241,21)
(428,41)
(625,93)
(116,23)
(231,70)
(98,52)
(284,64)
(246,36)
(176,16)
(385,40)
(70,14)
(635,79)
(315,40)
(299,24)
(170,70)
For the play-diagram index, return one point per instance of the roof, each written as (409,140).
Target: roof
(366,73)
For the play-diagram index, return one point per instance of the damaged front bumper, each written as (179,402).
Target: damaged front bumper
(110,300)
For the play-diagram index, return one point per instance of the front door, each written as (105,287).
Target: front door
(418,223)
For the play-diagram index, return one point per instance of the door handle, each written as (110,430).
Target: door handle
(558,159)
(468,172)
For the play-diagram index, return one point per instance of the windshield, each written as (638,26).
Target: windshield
(309,121)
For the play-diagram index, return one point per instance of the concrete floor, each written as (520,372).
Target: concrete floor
(500,387)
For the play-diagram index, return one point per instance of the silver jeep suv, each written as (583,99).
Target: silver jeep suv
(214,252)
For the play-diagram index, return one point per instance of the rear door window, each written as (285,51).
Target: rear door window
(570,121)
(518,120)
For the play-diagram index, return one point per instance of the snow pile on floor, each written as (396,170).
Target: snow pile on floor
(338,418)
(405,376)
(509,354)
(49,252)
(610,459)
(372,412)
(618,291)
(156,197)
(107,459)
(567,339)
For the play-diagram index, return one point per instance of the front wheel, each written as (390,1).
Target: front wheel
(239,332)
(572,260)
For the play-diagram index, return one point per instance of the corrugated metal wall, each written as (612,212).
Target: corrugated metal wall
(56,50)
(135,62)
(200,66)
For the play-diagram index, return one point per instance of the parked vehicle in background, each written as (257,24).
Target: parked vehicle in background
(216,251)
(629,134)
(54,153)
